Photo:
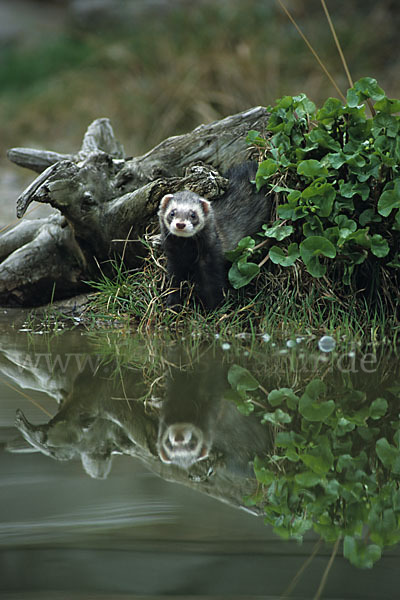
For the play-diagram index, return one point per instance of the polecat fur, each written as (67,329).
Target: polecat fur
(196,233)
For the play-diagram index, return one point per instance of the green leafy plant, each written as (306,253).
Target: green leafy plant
(335,173)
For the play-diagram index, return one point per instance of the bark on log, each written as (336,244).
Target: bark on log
(106,201)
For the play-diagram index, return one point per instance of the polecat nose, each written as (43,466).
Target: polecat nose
(180,225)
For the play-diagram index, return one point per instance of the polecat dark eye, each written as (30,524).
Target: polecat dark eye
(172,213)
(193,215)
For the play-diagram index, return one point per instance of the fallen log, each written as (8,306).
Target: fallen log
(106,201)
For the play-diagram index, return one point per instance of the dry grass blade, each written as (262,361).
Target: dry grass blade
(338,46)
(321,64)
(342,58)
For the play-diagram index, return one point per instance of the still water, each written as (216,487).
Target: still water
(127,467)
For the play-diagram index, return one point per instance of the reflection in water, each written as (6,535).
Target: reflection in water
(310,441)
(193,436)
(198,422)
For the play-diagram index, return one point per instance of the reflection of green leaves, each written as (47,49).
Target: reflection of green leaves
(283,395)
(263,474)
(359,553)
(278,417)
(389,455)
(335,466)
(320,458)
(378,408)
(242,382)
(310,406)
(241,379)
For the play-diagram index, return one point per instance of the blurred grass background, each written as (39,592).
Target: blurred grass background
(159,68)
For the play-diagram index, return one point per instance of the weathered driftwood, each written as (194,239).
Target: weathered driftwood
(106,202)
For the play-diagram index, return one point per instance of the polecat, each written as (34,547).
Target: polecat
(195,234)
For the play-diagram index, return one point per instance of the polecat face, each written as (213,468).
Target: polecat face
(182,444)
(184,214)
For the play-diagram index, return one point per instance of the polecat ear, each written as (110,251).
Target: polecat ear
(165,200)
(205,205)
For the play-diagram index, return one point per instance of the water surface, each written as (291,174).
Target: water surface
(129,470)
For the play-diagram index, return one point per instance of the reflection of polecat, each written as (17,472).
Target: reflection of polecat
(197,422)
(195,234)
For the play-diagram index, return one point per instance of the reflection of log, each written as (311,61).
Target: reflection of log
(95,420)
(107,201)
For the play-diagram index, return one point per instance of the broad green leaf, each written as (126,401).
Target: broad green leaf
(395,262)
(335,159)
(360,237)
(369,216)
(254,137)
(389,199)
(331,109)
(387,105)
(379,246)
(346,226)
(313,247)
(321,195)
(242,272)
(312,168)
(279,232)
(303,105)
(321,137)
(265,170)
(349,189)
(364,88)
(278,256)
(385,124)
(245,245)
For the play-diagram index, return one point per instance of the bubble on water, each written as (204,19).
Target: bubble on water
(265,337)
(225,346)
(326,343)
(290,343)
